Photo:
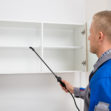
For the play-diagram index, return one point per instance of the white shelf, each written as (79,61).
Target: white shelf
(19,34)
(63,34)
(62,46)
(16,23)
(17,47)
(43,73)
(52,26)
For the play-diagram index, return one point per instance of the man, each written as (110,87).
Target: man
(97,95)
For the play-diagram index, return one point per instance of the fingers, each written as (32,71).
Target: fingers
(64,88)
(65,82)
(69,87)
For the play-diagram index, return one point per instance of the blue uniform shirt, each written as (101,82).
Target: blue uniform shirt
(100,84)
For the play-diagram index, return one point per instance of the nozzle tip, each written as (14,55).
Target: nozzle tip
(31,48)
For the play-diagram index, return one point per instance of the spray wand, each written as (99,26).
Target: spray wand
(59,79)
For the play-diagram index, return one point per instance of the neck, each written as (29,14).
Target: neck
(99,54)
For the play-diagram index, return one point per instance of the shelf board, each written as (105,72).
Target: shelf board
(40,22)
(52,26)
(63,47)
(46,47)
(23,47)
(7,22)
(41,73)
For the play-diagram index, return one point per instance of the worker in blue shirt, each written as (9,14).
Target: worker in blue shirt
(97,94)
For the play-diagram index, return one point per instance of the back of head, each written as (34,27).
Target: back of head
(102,22)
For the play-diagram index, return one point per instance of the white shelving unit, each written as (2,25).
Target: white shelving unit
(24,78)
(62,46)
(15,38)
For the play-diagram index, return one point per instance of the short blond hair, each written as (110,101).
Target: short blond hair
(102,22)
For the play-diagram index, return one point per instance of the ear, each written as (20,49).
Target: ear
(101,36)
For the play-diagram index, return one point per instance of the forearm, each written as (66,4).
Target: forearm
(78,92)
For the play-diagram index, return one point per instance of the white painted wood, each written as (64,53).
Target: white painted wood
(22,87)
(37,92)
(62,46)
(61,11)
(19,34)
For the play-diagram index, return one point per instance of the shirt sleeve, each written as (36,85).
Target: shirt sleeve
(79,92)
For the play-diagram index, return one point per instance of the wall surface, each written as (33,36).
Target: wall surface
(37,92)
(61,11)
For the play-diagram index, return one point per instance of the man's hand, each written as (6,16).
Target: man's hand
(68,86)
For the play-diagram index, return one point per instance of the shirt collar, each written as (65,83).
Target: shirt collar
(104,57)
